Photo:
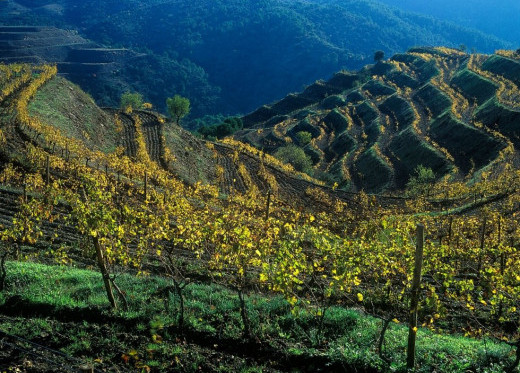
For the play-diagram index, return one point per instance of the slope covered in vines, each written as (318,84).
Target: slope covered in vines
(254,226)
(440,108)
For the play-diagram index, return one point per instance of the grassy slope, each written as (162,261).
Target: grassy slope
(58,300)
(65,106)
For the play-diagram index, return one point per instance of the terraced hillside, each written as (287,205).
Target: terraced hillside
(75,55)
(441,108)
(132,205)
(198,48)
(79,59)
(146,136)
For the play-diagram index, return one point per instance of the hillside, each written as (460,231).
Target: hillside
(501,21)
(232,56)
(213,256)
(455,113)
(231,166)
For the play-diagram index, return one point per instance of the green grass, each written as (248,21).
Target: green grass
(291,103)
(474,87)
(508,68)
(401,109)
(495,115)
(348,338)
(470,146)
(377,88)
(336,121)
(425,70)
(75,288)
(65,106)
(434,99)
(306,126)
(332,102)
(374,173)
(402,80)
(193,159)
(412,152)
(343,143)
(367,113)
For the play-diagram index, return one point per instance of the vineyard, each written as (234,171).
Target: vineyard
(201,245)
(437,107)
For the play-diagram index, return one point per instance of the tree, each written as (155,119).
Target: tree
(296,157)
(178,107)
(422,182)
(228,127)
(131,100)
(303,137)
(378,56)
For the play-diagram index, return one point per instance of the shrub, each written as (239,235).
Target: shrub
(296,157)
(378,56)
(422,181)
(228,127)
(303,137)
(131,100)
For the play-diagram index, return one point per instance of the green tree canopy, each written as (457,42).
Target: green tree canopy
(296,157)
(132,100)
(422,181)
(178,107)
(378,56)
(303,137)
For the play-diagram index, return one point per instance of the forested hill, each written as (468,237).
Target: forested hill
(232,56)
(439,108)
(500,18)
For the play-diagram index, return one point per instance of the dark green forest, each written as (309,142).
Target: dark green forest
(229,57)
(500,18)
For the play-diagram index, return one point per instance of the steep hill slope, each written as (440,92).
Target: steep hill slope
(83,186)
(232,56)
(145,136)
(440,108)
(495,18)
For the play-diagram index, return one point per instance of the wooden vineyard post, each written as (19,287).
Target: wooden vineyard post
(145,186)
(24,188)
(502,264)
(104,272)
(450,231)
(268,204)
(482,241)
(414,302)
(47,170)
